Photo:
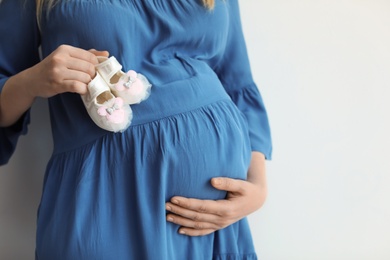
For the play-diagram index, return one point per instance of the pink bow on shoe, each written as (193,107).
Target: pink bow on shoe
(113,113)
(130,83)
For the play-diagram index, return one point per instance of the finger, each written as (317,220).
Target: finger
(76,76)
(65,80)
(99,53)
(79,53)
(185,222)
(75,87)
(195,232)
(190,214)
(81,65)
(203,206)
(229,184)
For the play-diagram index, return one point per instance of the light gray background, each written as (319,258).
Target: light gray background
(324,71)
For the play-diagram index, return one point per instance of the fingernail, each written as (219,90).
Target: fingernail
(182,232)
(170,219)
(175,201)
(168,208)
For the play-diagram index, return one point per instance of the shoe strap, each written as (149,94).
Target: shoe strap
(108,68)
(97,86)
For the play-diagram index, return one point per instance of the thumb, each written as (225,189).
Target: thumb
(228,184)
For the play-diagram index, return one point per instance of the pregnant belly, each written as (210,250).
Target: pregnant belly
(206,143)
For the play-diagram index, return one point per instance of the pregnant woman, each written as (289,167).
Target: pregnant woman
(167,170)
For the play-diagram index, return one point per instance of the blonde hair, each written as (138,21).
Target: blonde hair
(209,4)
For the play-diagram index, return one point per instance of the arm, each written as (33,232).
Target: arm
(18,51)
(23,76)
(14,101)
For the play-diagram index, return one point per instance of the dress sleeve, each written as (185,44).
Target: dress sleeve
(233,69)
(18,51)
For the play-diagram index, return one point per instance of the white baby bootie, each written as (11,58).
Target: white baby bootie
(132,87)
(106,110)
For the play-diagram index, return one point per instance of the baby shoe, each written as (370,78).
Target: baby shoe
(132,87)
(106,110)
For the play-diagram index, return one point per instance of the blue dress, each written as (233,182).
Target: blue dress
(104,193)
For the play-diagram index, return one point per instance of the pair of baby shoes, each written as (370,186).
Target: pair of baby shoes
(111,93)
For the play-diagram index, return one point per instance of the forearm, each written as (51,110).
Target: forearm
(257,175)
(15,99)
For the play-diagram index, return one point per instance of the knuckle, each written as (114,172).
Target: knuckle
(228,183)
(230,213)
(57,59)
(56,72)
(87,78)
(185,204)
(173,209)
(196,217)
(222,223)
(90,69)
(223,212)
(62,47)
(93,58)
(198,225)
(202,208)
(75,87)
(227,213)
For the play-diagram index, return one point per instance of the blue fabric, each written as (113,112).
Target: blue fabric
(15,56)
(104,193)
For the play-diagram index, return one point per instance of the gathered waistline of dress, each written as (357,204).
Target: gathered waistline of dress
(165,101)
(178,97)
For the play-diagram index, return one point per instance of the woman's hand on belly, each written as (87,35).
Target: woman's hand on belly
(202,217)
